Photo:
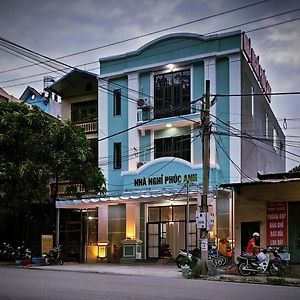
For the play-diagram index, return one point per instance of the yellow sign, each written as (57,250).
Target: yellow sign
(47,243)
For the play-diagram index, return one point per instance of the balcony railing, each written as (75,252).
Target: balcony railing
(88,126)
(65,189)
(149,113)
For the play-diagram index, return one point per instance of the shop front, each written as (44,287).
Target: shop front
(270,206)
(155,214)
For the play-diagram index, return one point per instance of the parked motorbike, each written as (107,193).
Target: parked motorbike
(192,257)
(262,264)
(8,252)
(54,256)
(23,252)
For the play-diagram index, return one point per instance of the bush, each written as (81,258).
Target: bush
(196,272)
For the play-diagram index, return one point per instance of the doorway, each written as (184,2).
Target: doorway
(247,230)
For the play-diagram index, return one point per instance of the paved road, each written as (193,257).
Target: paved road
(32,284)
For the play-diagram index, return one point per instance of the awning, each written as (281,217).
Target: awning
(142,196)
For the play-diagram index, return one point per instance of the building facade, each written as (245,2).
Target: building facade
(271,206)
(149,134)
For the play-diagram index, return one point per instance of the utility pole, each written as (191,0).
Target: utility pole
(206,168)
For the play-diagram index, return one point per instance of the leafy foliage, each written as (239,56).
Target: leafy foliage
(35,151)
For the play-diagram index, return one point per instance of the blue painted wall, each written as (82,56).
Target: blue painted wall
(117,124)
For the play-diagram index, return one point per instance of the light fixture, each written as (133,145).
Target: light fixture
(169,125)
(90,218)
(171,67)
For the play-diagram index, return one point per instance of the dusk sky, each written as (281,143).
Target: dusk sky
(58,28)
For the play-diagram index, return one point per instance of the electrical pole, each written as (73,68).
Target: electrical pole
(206,168)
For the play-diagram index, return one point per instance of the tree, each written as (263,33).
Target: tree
(37,150)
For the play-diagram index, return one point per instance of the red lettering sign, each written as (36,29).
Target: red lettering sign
(277,224)
(253,60)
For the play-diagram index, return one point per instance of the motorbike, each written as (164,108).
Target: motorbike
(262,264)
(54,256)
(23,252)
(8,252)
(192,257)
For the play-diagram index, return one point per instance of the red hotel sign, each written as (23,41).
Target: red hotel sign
(253,59)
(277,224)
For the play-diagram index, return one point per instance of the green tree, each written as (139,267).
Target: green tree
(37,150)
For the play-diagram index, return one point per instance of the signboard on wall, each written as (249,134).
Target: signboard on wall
(277,224)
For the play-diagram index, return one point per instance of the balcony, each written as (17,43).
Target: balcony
(69,189)
(89,127)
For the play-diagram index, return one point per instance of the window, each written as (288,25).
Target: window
(172,94)
(117,102)
(84,111)
(179,146)
(117,156)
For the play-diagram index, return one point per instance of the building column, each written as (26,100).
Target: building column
(103,125)
(133,134)
(57,227)
(210,74)
(235,115)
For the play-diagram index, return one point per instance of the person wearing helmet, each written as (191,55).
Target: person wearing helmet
(252,247)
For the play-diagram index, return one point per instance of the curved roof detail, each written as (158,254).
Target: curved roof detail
(168,37)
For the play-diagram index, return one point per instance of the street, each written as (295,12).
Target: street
(22,283)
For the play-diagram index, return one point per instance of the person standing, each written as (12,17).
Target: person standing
(252,247)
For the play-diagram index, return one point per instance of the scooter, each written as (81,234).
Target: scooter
(23,252)
(190,258)
(53,256)
(262,264)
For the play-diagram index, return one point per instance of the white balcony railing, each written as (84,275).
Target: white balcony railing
(88,126)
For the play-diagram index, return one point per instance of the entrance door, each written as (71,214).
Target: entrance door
(247,230)
(294,232)
(153,234)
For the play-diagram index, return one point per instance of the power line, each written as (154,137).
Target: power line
(153,32)
(172,50)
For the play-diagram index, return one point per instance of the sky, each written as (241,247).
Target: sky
(58,28)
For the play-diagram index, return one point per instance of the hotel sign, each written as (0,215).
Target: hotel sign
(165,179)
(253,60)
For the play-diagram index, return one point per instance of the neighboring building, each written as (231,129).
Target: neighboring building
(4,96)
(42,100)
(147,104)
(270,206)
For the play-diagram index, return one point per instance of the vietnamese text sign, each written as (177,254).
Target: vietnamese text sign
(277,224)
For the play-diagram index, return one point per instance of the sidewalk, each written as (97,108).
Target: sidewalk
(158,270)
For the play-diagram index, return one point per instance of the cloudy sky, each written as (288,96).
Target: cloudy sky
(59,28)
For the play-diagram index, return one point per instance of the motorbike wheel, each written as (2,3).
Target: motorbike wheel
(242,269)
(223,260)
(47,261)
(60,261)
(275,269)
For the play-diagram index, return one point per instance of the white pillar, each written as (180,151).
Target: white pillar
(103,126)
(103,223)
(235,115)
(210,74)
(133,134)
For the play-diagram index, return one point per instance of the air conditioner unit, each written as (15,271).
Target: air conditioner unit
(142,103)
